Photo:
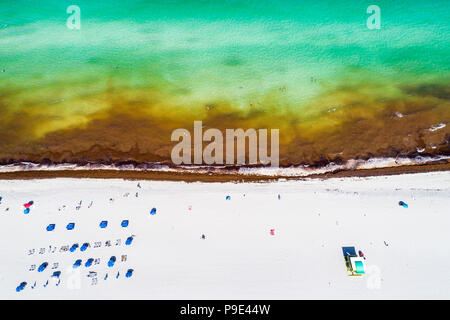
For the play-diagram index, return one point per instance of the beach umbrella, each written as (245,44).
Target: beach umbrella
(89,262)
(124,223)
(129,241)
(111,261)
(404,205)
(77,264)
(21,286)
(31,202)
(129,273)
(51,227)
(56,274)
(153,211)
(42,267)
(73,247)
(70,226)
(227,198)
(27,205)
(84,246)
(26,211)
(103,224)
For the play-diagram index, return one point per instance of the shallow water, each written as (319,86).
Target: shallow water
(136,70)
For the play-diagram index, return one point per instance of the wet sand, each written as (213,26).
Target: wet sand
(213,177)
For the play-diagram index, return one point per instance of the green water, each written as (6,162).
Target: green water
(183,55)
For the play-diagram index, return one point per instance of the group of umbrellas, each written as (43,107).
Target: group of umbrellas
(103,224)
(70,226)
(28,206)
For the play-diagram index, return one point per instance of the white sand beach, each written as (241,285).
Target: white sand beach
(406,249)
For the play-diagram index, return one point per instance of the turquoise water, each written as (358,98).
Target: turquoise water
(300,57)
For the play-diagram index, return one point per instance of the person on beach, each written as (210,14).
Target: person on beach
(361,254)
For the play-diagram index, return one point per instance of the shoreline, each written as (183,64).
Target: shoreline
(215,177)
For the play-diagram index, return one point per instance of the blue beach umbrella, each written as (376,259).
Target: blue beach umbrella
(124,223)
(103,224)
(73,247)
(21,286)
(89,262)
(227,198)
(403,204)
(84,246)
(129,273)
(42,267)
(153,211)
(70,226)
(51,227)
(77,264)
(111,261)
(56,274)
(26,211)
(129,241)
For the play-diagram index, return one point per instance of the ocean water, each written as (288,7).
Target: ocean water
(115,89)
